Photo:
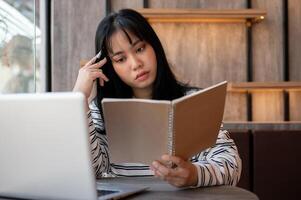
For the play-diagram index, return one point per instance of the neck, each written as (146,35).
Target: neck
(145,93)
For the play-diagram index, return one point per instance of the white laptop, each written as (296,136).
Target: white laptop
(45,149)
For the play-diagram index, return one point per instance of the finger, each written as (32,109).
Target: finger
(159,174)
(99,81)
(174,159)
(175,181)
(97,65)
(162,169)
(99,75)
(90,62)
(104,77)
(94,66)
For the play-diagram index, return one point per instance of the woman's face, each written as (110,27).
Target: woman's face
(135,63)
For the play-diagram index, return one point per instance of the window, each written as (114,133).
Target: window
(20,39)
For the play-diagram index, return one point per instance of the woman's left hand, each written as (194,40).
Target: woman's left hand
(183,175)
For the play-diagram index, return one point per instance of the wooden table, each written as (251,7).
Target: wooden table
(161,190)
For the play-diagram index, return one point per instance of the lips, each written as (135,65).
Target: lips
(141,75)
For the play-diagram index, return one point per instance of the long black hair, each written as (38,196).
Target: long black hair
(165,87)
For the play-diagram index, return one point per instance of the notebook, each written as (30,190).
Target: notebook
(141,130)
(45,149)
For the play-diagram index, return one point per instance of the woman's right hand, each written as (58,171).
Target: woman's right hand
(87,75)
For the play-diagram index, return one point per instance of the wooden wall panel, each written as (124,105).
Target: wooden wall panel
(268,42)
(119,4)
(267,105)
(73,26)
(294,17)
(197,4)
(295,104)
(268,59)
(294,25)
(198,52)
(236,107)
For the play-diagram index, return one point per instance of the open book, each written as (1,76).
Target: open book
(141,130)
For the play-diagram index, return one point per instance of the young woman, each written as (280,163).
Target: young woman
(135,66)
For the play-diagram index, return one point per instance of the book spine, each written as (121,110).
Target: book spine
(171,138)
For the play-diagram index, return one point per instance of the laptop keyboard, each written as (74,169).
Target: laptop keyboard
(101,192)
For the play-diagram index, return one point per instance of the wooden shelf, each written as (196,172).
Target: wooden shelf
(264,86)
(284,125)
(248,16)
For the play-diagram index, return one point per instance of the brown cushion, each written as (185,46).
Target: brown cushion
(242,140)
(277,161)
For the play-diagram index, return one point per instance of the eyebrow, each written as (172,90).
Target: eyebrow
(133,44)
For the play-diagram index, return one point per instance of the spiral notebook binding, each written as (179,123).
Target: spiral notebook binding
(171,138)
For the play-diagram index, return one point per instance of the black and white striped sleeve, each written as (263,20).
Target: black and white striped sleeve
(219,165)
(98,139)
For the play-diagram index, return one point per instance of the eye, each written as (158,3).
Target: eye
(120,60)
(140,49)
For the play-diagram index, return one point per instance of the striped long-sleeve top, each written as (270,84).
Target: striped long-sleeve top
(218,165)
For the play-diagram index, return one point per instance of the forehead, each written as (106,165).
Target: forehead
(122,39)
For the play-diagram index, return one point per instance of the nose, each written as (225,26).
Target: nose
(136,63)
